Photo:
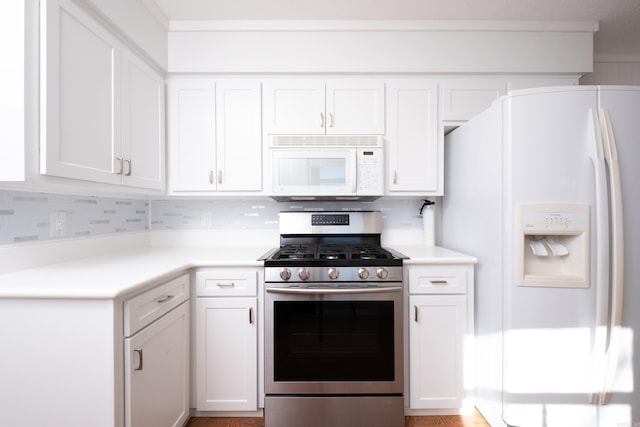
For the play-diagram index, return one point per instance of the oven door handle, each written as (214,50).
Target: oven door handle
(333,291)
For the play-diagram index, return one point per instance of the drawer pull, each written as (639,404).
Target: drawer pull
(165,299)
(438,282)
(251,315)
(415,313)
(226,285)
(139,353)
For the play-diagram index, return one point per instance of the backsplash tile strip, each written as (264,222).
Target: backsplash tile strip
(263,214)
(26,216)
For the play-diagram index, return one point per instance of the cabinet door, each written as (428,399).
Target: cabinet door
(239,135)
(294,106)
(437,327)
(355,107)
(80,134)
(157,372)
(192,133)
(142,124)
(226,354)
(414,142)
(464,98)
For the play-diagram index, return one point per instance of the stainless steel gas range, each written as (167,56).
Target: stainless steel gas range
(333,323)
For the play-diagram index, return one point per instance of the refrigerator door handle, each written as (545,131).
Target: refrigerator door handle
(617,255)
(602,257)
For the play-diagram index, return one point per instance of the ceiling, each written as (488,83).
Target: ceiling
(619,20)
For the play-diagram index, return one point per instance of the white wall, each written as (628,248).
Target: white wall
(12,120)
(381,47)
(614,70)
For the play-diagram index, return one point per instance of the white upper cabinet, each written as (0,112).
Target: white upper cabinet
(101,107)
(464,98)
(215,136)
(312,107)
(413,144)
(238,135)
(143,111)
(80,95)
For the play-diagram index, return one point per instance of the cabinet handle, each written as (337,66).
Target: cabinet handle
(415,313)
(438,282)
(395,177)
(321,119)
(139,352)
(331,121)
(120,170)
(220,177)
(251,315)
(210,177)
(128,162)
(165,299)
(226,285)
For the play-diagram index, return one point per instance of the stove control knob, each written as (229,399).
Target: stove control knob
(363,273)
(382,273)
(285,274)
(304,274)
(333,273)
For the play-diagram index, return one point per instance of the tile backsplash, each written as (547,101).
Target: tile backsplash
(36,217)
(262,214)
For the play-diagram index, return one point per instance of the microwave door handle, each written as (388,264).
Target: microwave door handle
(354,176)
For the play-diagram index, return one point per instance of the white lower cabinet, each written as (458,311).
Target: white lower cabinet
(440,318)
(436,334)
(157,356)
(226,340)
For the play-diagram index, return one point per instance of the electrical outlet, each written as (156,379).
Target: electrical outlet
(207,218)
(58,224)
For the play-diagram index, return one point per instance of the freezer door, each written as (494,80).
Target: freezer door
(548,331)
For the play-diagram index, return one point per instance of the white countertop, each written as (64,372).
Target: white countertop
(115,274)
(419,254)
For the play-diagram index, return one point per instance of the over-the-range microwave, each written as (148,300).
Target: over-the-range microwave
(327,167)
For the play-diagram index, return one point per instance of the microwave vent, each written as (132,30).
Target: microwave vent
(317,141)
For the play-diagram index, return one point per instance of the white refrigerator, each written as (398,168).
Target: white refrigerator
(543,188)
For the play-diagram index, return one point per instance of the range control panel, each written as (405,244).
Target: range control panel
(330,219)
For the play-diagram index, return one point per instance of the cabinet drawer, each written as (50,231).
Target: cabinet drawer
(151,305)
(438,280)
(226,282)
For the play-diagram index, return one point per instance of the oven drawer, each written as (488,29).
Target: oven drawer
(438,280)
(227,282)
(143,309)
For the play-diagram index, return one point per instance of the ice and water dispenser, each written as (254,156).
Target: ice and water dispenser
(552,245)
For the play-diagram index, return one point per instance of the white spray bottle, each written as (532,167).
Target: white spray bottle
(428,223)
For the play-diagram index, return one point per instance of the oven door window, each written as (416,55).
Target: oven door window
(333,341)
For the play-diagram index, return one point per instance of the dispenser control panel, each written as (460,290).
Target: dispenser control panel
(552,245)
(554,221)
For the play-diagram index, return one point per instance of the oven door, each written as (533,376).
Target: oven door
(334,341)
